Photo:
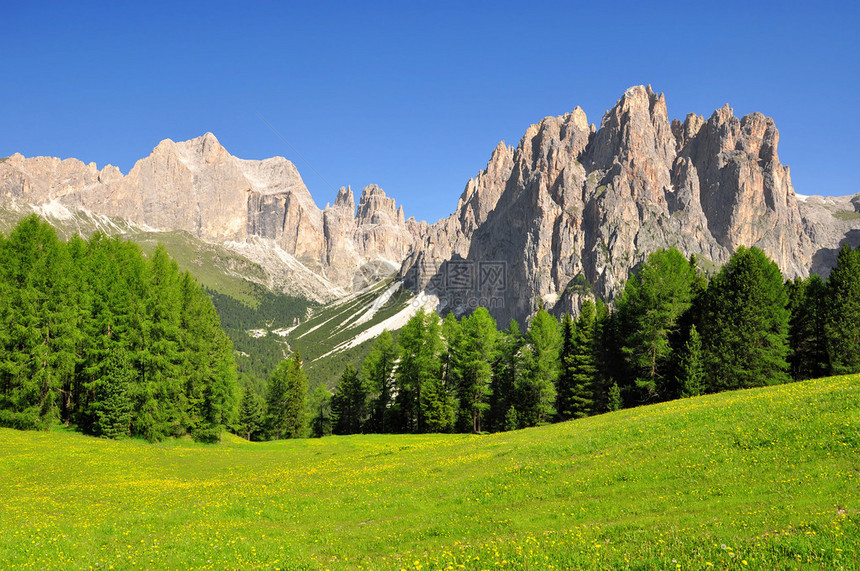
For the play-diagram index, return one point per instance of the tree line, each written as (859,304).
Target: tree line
(95,335)
(673,333)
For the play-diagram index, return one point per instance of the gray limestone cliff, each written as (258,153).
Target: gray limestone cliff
(573,209)
(569,212)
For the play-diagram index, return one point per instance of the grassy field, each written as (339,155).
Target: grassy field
(758,479)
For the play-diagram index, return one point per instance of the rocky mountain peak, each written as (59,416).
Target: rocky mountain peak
(345,200)
(374,207)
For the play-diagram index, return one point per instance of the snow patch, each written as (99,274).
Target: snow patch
(376,305)
(396,321)
(801,197)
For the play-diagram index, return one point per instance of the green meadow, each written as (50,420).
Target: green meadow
(762,479)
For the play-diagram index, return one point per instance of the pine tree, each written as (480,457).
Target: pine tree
(349,404)
(745,324)
(692,372)
(420,367)
(296,398)
(505,372)
(319,411)
(112,406)
(250,412)
(276,401)
(808,304)
(580,364)
(842,322)
(564,384)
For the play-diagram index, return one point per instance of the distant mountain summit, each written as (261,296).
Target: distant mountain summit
(260,208)
(569,211)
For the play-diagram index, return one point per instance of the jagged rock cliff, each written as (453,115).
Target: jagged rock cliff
(570,211)
(198,187)
(575,208)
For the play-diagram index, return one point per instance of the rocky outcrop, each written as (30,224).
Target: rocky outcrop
(567,213)
(581,207)
(198,187)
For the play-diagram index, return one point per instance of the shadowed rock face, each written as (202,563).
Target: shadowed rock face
(574,203)
(571,209)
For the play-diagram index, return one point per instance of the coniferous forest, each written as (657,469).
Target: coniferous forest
(673,333)
(96,336)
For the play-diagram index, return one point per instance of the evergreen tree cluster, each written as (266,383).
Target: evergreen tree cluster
(673,333)
(94,335)
(285,411)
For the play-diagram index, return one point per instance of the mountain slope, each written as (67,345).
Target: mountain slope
(260,208)
(765,476)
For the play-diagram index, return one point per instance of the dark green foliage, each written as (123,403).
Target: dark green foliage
(503,384)
(93,334)
(745,324)
(420,391)
(809,306)
(349,404)
(286,398)
(535,385)
(691,378)
(653,301)
(578,377)
(319,412)
(842,325)
(251,414)
(112,406)
(377,371)
(511,420)
(613,401)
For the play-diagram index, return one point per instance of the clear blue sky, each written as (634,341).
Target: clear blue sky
(413,96)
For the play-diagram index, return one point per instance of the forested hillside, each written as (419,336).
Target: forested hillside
(95,335)
(673,333)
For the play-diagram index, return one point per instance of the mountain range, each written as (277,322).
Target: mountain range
(569,211)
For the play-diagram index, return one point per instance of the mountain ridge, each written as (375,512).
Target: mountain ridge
(571,203)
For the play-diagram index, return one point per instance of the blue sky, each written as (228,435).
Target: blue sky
(414,96)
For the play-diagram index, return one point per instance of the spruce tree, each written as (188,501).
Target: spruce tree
(613,401)
(112,406)
(580,364)
(564,384)
(744,328)
(809,306)
(319,411)
(349,404)
(503,396)
(842,322)
(250,412)
(296,398)
(691,369)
